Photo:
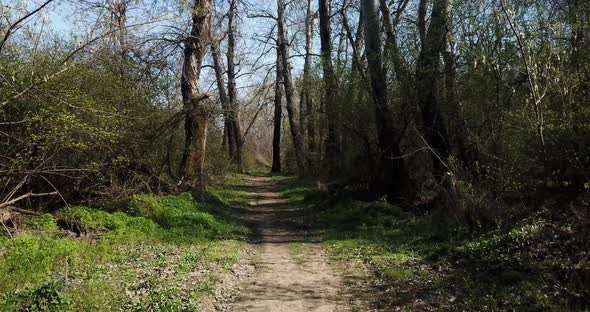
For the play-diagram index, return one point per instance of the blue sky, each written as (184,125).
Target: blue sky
(70,19)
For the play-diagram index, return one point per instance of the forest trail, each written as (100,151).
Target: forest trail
(293,272)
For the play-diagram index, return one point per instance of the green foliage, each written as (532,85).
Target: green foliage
(41,272)
(95,121)
(532,265)
(181,217)
(49,297)
(355,217)
(30,260)
(44,223)
(117,224)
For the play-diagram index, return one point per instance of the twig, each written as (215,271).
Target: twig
(7,229)
(433,151)
(25,212)
(20,20)
(27,195)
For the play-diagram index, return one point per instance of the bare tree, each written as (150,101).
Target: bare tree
(231,83)
(354,40)
(229,137)
(393,178)
(530,68)
(289,88)
(427,77)
(458,131)
(332,146)
(307,110)
(118,24)
(278,116)
(197,116)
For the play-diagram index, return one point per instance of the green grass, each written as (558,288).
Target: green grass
(154,254)
(531,265)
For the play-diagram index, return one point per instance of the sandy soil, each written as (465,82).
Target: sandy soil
(284,280)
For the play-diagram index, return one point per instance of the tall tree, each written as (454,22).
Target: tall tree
(278,116)
(332,146)
(289,88)
(458,131)
(231,82)
(229,137)
(307,110)
(392,178)
(197,116)
(354,40)
(427,82)
(118,24)
(400,67)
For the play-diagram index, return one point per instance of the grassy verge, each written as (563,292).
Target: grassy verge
(153,254)
(536,264)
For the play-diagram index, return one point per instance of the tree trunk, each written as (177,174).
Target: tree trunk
(306,99)
(400,66)
(197,116)
(289,89)
(118,24)
(465,151)
(332,146)
(278,116)
(392,178)
(427,76)
(225,106)
(422,8)
(231,83)
(355,42)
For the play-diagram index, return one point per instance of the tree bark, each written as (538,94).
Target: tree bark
(223,98)
(392,177)
(289,89)
(355,42)
(427,76)
(278,116)
(231,84)
(422,8)
(332,146)
(306,99)
(400,65)
(118,24)
(459,133)
(197,116)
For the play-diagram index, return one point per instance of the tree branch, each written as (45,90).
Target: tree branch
(27,195)
(20,20)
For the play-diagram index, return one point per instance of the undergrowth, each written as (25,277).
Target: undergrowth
(536,264)
(154,254)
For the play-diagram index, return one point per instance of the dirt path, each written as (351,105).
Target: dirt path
(284,279)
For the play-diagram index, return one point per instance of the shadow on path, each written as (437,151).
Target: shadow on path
(287,280)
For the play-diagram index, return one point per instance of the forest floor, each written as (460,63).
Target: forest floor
(261,243)
(328,252)
(293,270)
